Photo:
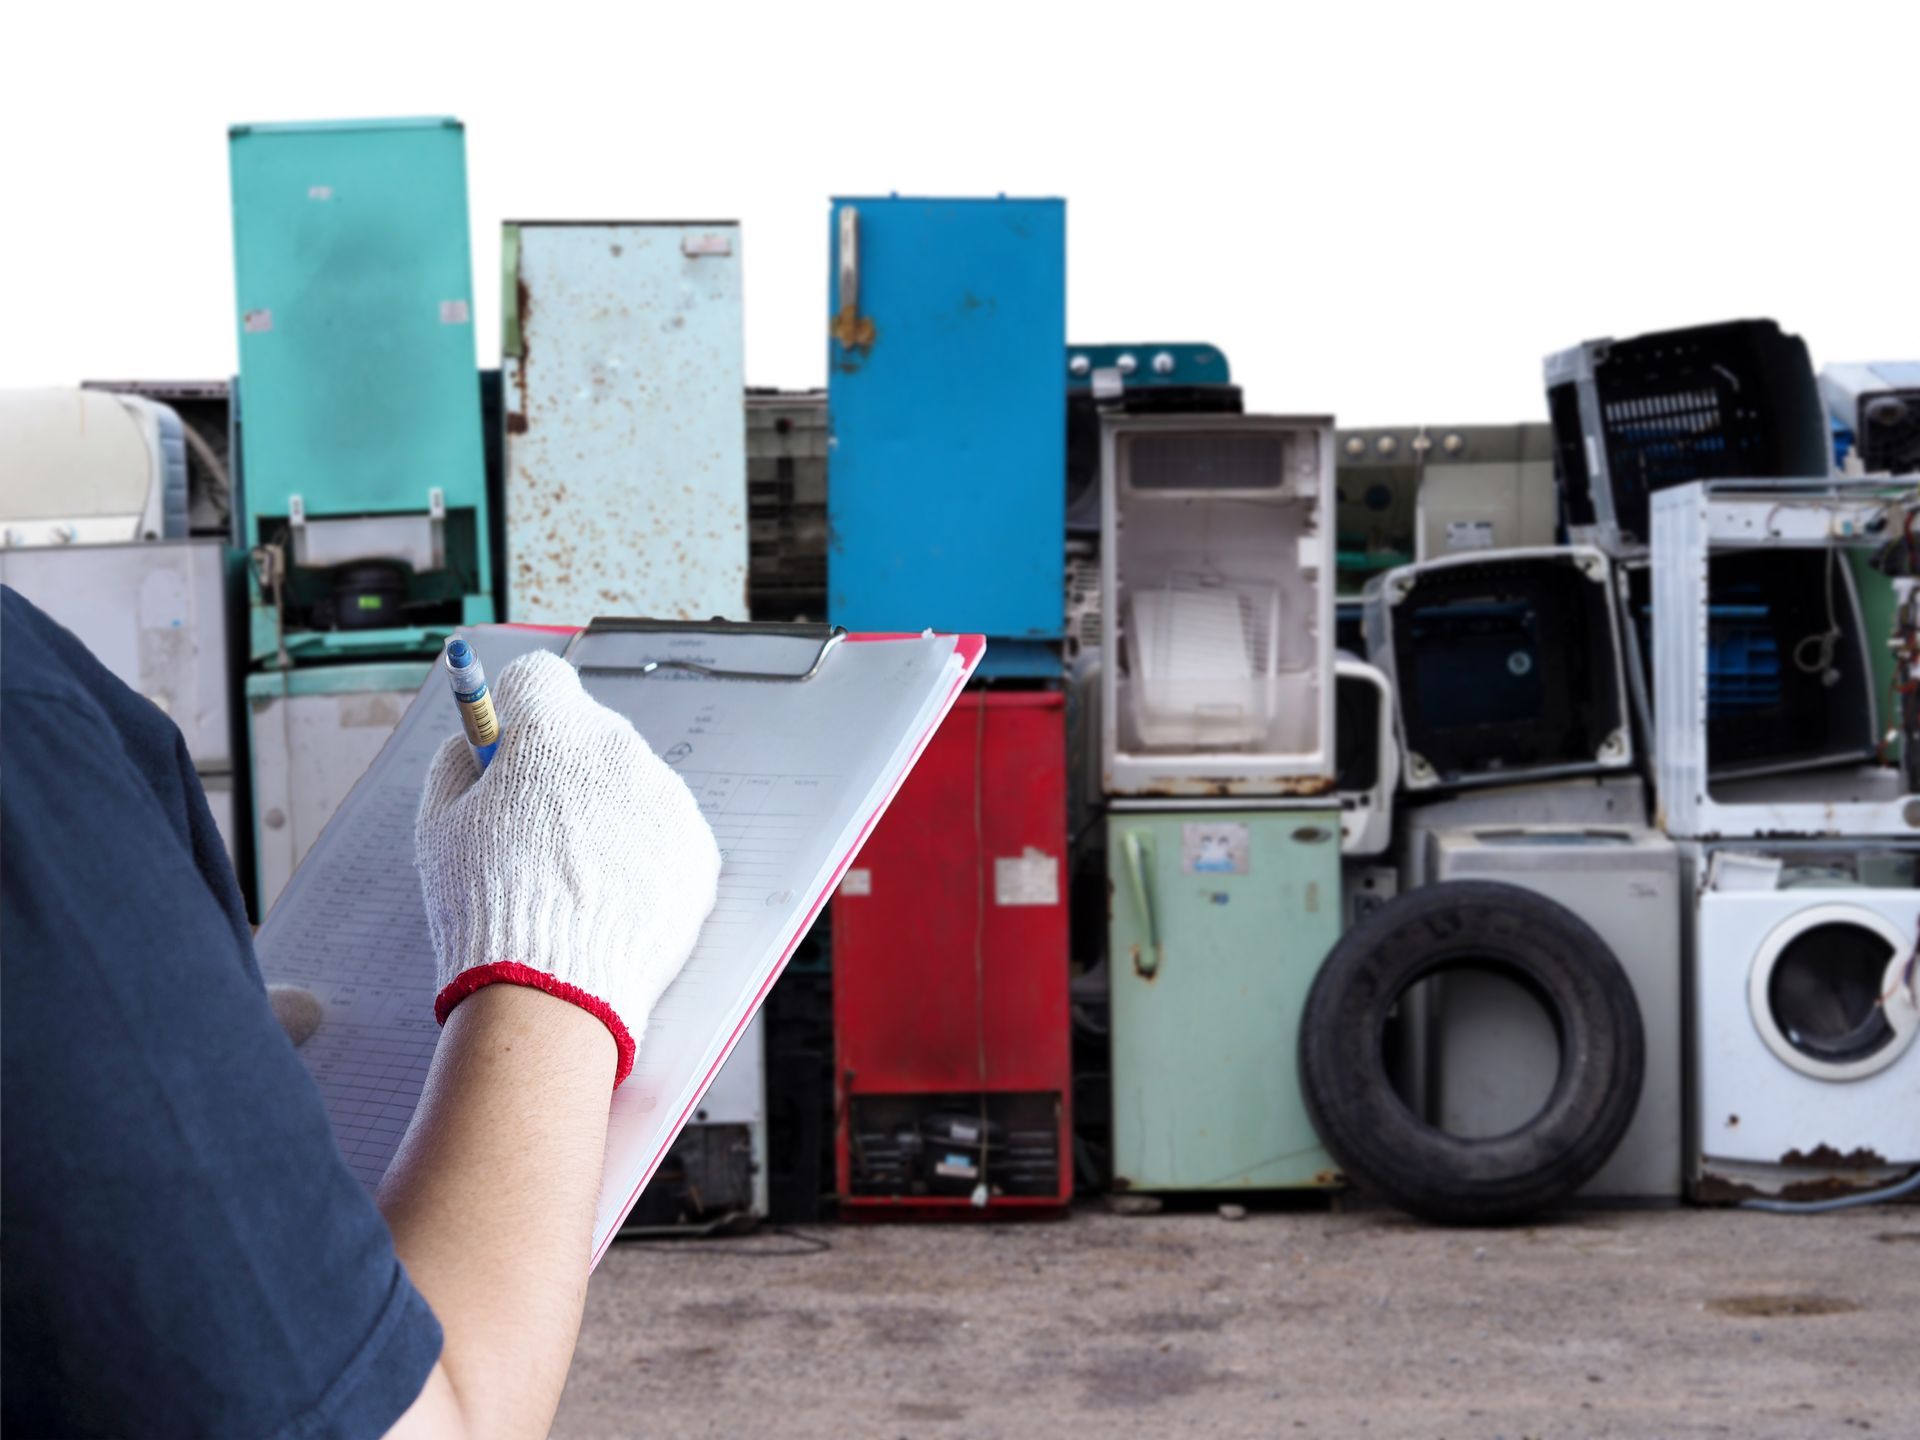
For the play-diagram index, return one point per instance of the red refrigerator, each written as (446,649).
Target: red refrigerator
(950,977)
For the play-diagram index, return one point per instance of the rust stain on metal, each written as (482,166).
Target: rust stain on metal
(854,331)
(1722,1190)
(1716,1190)
(516,420)
(1207,787)
(1827,1157)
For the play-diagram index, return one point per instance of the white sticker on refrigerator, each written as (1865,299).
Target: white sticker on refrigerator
(257,322)
(1469,535)
(1214,847)
(453,312)
(1030,878)
(857,882)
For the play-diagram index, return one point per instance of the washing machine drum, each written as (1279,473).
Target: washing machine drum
(1832,992)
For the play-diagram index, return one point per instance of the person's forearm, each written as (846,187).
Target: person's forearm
(491,1200)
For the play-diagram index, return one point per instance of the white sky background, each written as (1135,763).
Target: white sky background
(1390,213)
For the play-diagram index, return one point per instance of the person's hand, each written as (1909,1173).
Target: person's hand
(298,1010)
(578,862)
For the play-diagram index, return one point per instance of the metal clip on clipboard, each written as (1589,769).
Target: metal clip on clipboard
(827,637)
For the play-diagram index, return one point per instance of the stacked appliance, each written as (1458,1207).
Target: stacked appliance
(787,504)
(950,974)
(1418,492)
(1505,667)
(89,468)
(1738,399)
(1498,1056)
(1136,378)
(95,531)
(362,471)
(946,448)
(623,385)
(1408,493)
(786,445)
(1699,460)
(1875,414)
(1804,882)
(1508,673)
(205,409)
(1219,760)
(624,457)
(1142,378)
(158,615)
(1634,417)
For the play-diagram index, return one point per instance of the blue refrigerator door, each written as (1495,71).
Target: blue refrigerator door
(947,450)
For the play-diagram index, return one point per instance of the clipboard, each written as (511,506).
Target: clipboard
(794,740)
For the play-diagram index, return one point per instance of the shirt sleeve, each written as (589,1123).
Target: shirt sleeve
(186,1251)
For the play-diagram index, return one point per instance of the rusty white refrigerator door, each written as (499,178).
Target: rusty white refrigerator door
(625,422)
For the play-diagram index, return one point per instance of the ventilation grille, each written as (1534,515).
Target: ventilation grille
(1668,439)
(905,1145)
(1083,604)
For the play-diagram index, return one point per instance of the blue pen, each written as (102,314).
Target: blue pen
(470,694)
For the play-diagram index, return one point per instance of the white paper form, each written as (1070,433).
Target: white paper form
(791,776)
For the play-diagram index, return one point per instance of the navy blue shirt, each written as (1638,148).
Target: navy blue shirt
(185,1251)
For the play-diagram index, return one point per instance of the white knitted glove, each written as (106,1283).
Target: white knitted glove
(578,862)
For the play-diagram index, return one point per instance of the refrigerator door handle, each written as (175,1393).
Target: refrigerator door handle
(1138,846)
(852,329)
(849,260)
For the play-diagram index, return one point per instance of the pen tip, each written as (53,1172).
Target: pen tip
(459,654)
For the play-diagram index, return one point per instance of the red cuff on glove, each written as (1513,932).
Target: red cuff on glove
(509,972)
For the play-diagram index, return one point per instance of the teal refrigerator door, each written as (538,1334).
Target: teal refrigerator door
(354,291)
(1219,922)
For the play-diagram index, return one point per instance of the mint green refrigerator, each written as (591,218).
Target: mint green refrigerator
(1219,920)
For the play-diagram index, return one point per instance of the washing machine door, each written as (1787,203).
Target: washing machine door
(1832,992)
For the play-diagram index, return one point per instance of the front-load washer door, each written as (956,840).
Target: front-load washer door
(1831,992)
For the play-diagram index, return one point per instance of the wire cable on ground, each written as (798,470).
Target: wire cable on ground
(1908,1186)
(809,1245)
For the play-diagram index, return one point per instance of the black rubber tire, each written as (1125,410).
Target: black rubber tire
(1381,1143)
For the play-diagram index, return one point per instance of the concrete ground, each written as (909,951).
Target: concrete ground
(1669,1323)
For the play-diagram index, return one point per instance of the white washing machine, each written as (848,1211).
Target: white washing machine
(1805,1012)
